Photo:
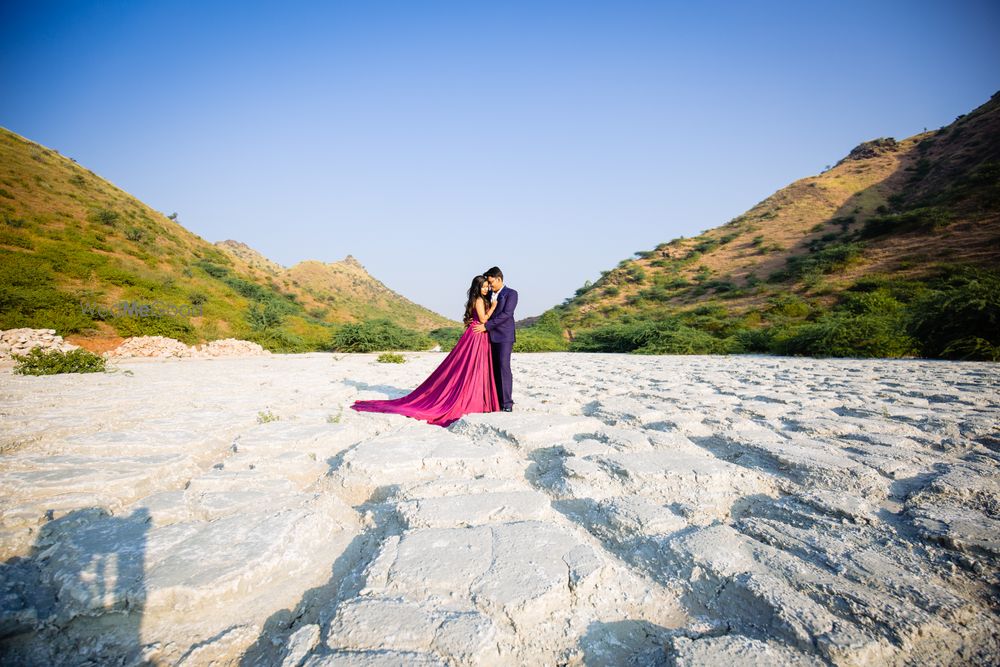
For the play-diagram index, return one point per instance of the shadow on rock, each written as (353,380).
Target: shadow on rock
(79,595)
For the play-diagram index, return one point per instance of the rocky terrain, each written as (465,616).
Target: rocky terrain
(633,510)
(23,340)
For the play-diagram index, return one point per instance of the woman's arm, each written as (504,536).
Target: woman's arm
(481,312)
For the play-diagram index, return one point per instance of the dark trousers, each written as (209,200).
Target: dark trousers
(501,372)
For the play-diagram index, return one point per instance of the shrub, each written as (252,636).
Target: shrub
(663,337)
(676,283)
(843,335)
(613,338)
(248,289)
(537,340)
(549,322)
(391,358)
(876,302)
(446,337)
(14,222)
(278,340)
(754,340)
(167,326)
(134,234)
(263,316)
(211,269)
(960,319)
(378,336)
(707,245)
(926,219)
(657,293)
(266,416)
(637,274)
(828,260)
(104,216)
(684,340)
(788,305)
(117,276)
(16,240)
(38,362)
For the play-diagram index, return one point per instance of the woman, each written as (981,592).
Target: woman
(463,382)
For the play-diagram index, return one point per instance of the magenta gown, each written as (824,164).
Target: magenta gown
(461,384)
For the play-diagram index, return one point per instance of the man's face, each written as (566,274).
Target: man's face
(494,283)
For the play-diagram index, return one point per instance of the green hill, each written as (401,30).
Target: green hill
(893,251)
(69,237)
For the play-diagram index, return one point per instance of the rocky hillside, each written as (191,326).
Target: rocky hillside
(73,246)
(895,220)
(337,292)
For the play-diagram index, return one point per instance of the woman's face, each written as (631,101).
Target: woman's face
(484,288)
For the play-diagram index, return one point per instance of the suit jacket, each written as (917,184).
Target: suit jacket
(501,325)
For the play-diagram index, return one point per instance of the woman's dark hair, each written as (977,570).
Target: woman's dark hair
(470,304)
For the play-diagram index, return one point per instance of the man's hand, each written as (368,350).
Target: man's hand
(479,328)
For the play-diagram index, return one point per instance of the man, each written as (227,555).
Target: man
(501,330)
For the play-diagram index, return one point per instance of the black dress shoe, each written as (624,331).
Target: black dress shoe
(507,409)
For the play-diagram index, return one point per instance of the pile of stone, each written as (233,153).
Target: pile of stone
(21,341)
(228,347)
(163,347)
(149,346)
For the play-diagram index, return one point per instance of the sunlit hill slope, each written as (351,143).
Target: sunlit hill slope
(69,237)
(883,254)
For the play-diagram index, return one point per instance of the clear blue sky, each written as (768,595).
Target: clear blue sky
(432,140)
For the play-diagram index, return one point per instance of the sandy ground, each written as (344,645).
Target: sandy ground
(632,510)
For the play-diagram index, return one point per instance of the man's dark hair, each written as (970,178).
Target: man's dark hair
(495,272)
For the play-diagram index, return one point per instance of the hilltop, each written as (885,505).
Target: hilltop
(68,236)
(883,231)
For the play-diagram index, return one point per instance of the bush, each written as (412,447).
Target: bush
(960,319)
(876,302)
(134,234)
(279,341)
(828,260)
(613,338)
(538,340)
(754,340)
(636,274)
(664,337)
(163,325)
(50,362)
(787,306)
(843,335)
(446,337)
(684,340)
(104,216)
(212,269)
(391,358)
(264,316)
(925,219)
(378,336)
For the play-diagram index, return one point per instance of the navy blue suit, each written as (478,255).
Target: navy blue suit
(501,331)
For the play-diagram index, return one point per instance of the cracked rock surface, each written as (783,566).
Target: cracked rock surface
(632,511)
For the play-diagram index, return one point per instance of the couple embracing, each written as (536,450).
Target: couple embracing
(475,376)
